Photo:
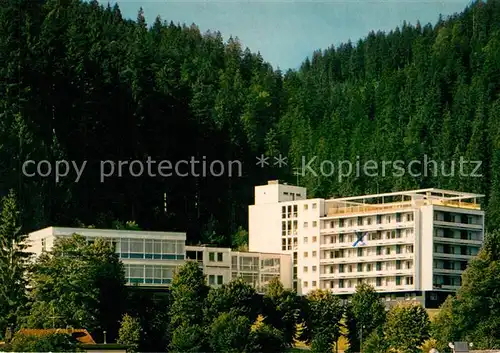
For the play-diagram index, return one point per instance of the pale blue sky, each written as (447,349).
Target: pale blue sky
(286,32)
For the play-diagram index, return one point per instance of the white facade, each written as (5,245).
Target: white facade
(221,265)
(151,258)
(414,244)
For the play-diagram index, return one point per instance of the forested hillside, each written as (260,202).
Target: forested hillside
(79,82)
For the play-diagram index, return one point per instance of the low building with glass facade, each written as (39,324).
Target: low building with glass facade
(151,258)
(221,265)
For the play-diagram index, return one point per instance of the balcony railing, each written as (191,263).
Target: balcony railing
(367,208)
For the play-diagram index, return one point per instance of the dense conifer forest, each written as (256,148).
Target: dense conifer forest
(79,82)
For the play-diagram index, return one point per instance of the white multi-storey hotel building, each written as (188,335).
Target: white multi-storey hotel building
(410,245)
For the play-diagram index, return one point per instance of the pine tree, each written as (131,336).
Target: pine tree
(13,263)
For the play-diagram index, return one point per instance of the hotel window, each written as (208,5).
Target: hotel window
(314,284)
(295,226)
(304,269)
(306,240)
(368,267)
(379,281)
(398,280)
(283,212)
(341,238)
(349,268)
(305,284)
(398,264)
(388,251)
(315,224)
(388,218)
(369,221)
(295,242)
(211,257)
(379,266)
(314,254)
(220,279)
(314,268)
(289,211)
(409,281)
(360,252)
(219,257)
(379,219)
(295,210)
(283,244)
(360,221)
(341,283)
(351,223)
(305,207)
(283,228)
(360,267)
(398,217)
(341,223)
(341,268)
(398,249)
(305,254)
(409,217)
(332,225)
(314,206)
(315,239)
(379,250)
(305,224)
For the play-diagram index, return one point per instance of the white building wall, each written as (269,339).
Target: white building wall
(426,247)
(264,228)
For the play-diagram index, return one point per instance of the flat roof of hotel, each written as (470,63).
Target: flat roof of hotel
(431,192)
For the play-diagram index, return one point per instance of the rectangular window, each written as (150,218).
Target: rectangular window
(295,210)
(211,256)
(360,252)
(305,254)
(341,268)
(305,224)
(341,238)
(211,279)
(398,264)
(379,219)
(314,206)
(220,279)
(305,284)
(315,239)
(398,280)
(315,224)
(368,267)
(398,249)
(360,268)
(304,269)
(379,281)
(305,240)
(379,250)
(283,212)
(314,254)
(219,257)
(314,284)
(305,207)
(341,283)
(314,268)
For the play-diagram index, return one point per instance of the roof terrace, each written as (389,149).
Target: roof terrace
(402,200)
